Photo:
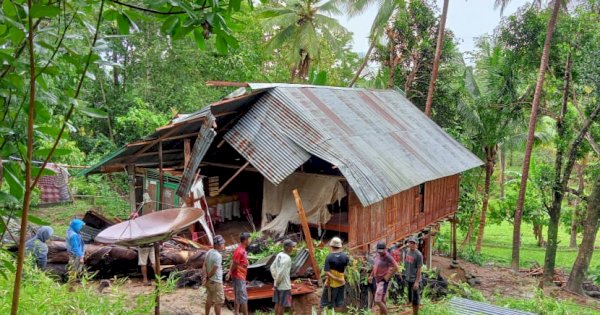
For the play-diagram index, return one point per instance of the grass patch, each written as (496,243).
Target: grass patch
(497,246)
(42,295)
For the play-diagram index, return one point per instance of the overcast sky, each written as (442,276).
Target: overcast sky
(468,19)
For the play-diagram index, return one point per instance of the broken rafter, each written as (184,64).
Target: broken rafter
(233,177)
(231,166)
(149,154)
(226,84)
(153,142)
(183,136)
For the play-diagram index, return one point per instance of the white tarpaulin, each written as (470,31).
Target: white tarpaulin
(316,191)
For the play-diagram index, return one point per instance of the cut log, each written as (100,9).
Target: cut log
(114,260)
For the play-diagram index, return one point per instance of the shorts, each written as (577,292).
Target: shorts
(145,253)
(283,297)
(214,292)
(333,297)
(239,289)
(381,291)
(414,296)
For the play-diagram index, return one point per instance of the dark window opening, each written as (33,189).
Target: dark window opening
(422,197)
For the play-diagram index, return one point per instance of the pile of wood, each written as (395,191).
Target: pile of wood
(559,278)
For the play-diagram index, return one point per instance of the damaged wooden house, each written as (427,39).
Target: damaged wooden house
(368,164)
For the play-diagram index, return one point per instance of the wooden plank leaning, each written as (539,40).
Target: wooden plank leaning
(309,243)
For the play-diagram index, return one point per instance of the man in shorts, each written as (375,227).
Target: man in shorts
(213,278)
(383,269)
(335,282)
(413,261)
(145,254)
(238,273)
(280,270)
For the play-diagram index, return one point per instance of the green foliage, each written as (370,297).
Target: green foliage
(138,121)
(542,304)
(43,295)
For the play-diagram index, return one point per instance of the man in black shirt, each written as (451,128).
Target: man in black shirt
(335,283)
(413,261)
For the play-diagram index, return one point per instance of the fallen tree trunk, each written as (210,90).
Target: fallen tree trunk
(114,260)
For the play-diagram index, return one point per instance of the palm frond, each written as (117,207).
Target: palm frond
(331,7)
(385,12)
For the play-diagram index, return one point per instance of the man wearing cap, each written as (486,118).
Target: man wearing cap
(335,282)
(383,269)
(213,277)
(280,270)
(238,273)
(413,261)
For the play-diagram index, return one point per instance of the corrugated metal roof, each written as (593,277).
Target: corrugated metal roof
(380,142)
(465,306)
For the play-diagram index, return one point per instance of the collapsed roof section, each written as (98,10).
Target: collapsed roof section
(380,142)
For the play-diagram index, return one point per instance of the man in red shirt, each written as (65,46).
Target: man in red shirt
(238,273)
(384,269)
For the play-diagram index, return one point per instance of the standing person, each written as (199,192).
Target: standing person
(413,261)
(280,270)
(145,252)
(76,249)
(37,247)
(213,279)
(238,273)
(383,269)
(335,282)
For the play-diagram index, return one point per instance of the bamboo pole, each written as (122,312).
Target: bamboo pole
(156,245)
(309,244)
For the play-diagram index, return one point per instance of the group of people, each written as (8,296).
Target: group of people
(384,268)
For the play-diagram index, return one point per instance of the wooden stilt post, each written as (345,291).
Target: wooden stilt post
(233,177)
(429,250)
(309,244)
(454,262)
(131,178)
(161,189)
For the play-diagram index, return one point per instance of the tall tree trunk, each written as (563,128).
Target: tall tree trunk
(574,216)
(557,187)
(364,64)
(590,229)
(390,82)
(490,153)
(502,171)
(436,60)
(531,136)
(28,163)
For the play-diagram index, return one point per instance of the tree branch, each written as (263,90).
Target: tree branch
(77,91)
(147,10)
(588,136)
(62,37)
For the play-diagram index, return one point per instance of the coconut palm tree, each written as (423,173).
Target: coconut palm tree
(385,10)
(300,28)
(490,112)
(556,6)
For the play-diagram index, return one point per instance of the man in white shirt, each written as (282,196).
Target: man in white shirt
(280,270)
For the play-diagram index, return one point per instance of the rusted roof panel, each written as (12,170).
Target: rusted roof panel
(380,142)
